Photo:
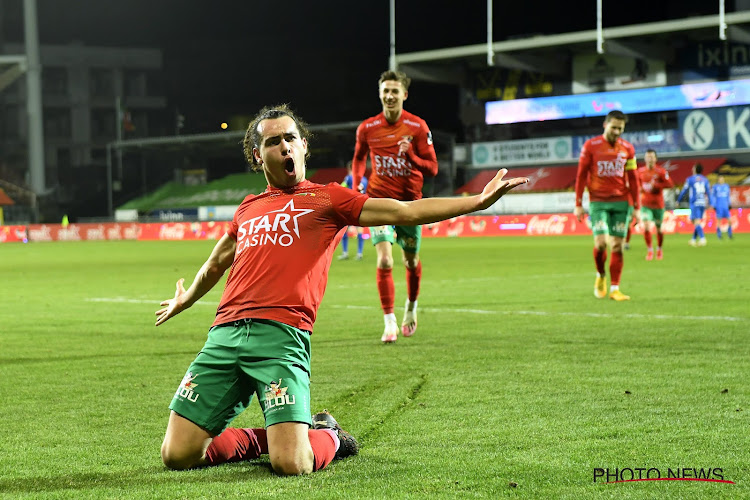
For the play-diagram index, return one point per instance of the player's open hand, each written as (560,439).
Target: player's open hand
(498,186)
(172,306)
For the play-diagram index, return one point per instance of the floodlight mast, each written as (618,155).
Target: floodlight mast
(35,144)
(392,64)
(490,50)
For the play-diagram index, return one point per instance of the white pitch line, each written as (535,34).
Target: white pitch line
(155,303)
(562,313)
(461,281)
(125,300)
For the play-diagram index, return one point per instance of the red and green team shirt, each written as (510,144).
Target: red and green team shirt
(653,183)
(393,175)
(285,241)
(602,168)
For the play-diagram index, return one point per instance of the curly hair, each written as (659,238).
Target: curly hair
(252,135)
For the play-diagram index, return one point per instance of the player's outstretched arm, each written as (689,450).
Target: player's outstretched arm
(209,274)
(382,211)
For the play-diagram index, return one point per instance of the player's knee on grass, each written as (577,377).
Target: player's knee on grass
(177,458)
(293,464)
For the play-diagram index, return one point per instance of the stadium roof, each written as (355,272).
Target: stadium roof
(551,52)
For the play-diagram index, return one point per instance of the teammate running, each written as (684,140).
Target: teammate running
(401,152)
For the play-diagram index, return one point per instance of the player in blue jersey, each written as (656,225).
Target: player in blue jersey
(698,187)
(720,201)
(362,188)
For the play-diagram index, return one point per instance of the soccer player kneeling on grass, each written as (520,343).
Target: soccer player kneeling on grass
(279,248)
(607,168)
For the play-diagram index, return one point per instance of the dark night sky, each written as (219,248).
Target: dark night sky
(231,57)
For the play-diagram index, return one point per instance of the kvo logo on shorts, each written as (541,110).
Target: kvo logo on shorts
(186,389)
(276,396)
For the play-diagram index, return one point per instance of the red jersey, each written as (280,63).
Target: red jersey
(285,241)
(607,170)
(653,182)
(393,175)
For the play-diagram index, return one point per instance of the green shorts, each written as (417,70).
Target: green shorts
(653,214)
(609,218)
(241,359)
(408,237)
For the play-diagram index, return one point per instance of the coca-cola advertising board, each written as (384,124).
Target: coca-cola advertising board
(561,224)
(466,225)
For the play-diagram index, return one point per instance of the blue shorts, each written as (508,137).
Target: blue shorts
(722,213)
(696,212)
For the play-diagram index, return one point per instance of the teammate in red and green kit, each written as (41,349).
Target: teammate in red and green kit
(654,180)
(279,248)
(607,168)
(402,154)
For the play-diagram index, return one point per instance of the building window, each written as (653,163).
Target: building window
(9,123)
(55,81)
(102,82)
(57,123)
(103,124)
(135,83)
(63,158)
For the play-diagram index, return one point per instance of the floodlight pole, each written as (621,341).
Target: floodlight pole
(392,57)
(35,143)
(490,50)
(599,29)
(109,180)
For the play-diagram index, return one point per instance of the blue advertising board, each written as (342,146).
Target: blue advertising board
(648,100)
(661,141)
(721,128)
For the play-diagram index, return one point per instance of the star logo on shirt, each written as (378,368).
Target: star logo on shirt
(299,212)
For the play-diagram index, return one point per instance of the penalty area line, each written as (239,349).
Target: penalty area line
(459,310)
(668,317)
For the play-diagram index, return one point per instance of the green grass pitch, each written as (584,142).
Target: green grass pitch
(518,383)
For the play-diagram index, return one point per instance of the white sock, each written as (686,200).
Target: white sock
(612,288)
(411,306)
(389,318)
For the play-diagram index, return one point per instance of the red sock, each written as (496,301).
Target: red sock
(659,238)
(615,268)
(627,236)
(600,257)
(324,443)
(234,445)
(413,277)
(386,289)
(647,237)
